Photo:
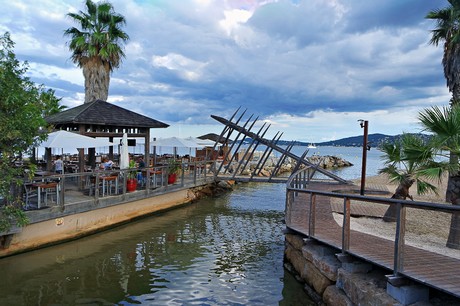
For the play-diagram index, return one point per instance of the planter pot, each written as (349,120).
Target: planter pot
(131,185)
(172,178)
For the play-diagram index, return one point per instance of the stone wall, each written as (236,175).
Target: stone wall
(335,279)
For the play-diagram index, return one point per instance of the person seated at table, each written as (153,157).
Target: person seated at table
(140,162)
(140,166)
(58,164)
(106,164)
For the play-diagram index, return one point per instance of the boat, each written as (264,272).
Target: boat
(311,146)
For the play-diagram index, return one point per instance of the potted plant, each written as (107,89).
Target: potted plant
(173,170)
(131,182)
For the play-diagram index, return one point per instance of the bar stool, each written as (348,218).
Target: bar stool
(153,175)
(108,182)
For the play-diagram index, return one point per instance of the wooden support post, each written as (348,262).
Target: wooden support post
(312,216)
(365,125)
(399,239)
(346,225)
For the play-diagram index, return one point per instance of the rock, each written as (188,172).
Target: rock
(365,288)
(334,296)
(323,258)
(325,162)
(265,173)
(224,185)
(295,257)
(295,240)
(329,161)
(314,278)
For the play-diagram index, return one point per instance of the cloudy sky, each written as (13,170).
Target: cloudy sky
(311,68)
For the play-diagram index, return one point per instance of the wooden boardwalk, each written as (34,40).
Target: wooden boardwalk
(433,269)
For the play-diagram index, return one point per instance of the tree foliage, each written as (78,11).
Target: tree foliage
(447,31)
(406,161)
(97,46)
(23,106)
(412,160)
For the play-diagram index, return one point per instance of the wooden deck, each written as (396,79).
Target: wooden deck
(432,269)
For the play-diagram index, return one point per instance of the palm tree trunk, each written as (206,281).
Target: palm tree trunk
(453,160)
(402,192)
(97,79)
(453,187)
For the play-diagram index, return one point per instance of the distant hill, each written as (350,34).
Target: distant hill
(374,140)
(357,141)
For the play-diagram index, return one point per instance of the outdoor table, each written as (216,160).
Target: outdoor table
(46,187)
(44,173)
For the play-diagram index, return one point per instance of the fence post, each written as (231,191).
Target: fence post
(346,225)
(96,188)
(287,209)
(312,215)
(182,175)
(61,188)
(399,239)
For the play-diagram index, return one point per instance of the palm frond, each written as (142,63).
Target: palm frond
(424,187)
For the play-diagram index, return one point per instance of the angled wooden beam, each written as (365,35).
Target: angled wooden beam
(277,148)
(267,156)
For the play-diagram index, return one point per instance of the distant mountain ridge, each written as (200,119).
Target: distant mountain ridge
(374,140)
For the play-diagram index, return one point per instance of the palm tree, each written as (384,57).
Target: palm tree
(97,46)
(445,125)
(405,162)
(448,31)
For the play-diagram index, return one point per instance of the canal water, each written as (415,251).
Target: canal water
(219,251)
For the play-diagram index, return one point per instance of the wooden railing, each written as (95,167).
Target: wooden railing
(298,183)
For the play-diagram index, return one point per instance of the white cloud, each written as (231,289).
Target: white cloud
(233,18)
(311,67)
(48,72)
(188,69)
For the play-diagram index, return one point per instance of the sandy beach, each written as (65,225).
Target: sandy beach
(425,229)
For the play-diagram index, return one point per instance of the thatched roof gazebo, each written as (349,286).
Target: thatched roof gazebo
(103,119)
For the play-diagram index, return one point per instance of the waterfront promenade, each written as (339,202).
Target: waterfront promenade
(70,206)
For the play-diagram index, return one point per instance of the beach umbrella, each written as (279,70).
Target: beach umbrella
(124,155)
(68,141)
(174,142)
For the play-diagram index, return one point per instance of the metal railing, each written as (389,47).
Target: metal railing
(298,183)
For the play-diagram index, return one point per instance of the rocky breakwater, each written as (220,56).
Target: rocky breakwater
(325,162)
(329,161)
(210,190)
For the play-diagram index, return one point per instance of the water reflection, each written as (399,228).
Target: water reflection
(223,251)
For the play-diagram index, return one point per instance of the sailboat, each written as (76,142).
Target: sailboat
(311,146)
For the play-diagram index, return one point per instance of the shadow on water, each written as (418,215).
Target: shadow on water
(221,251)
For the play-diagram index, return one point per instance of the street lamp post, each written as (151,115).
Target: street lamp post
(364,124)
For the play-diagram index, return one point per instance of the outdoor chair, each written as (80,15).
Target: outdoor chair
(30,193)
